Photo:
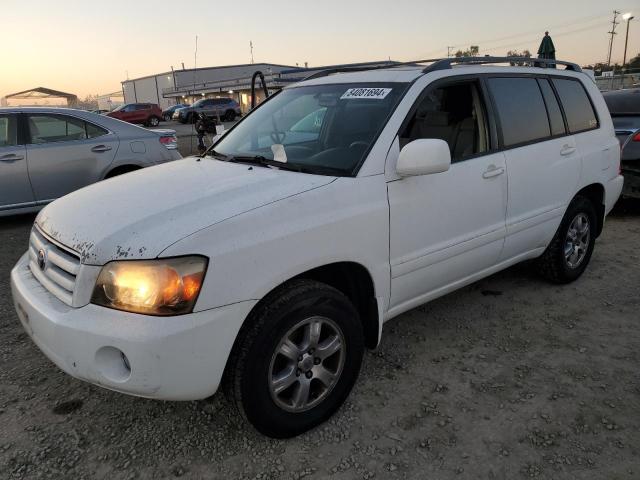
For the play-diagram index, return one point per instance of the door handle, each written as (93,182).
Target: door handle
(100,148)
(12,157)
(493,171)
(567,150)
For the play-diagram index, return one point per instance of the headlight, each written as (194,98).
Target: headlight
(166,286)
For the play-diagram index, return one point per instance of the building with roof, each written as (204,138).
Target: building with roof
(40,96)
(190,85)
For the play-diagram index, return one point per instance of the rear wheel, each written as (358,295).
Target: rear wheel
(568,254)
(153,121)
(230,116)
(297,358)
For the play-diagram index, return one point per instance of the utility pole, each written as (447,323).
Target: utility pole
(614,24)
(251,48)
(449,51)
(628,17)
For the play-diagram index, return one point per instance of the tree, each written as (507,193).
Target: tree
(516,53)
(634,62)
(90,102)
(471,52)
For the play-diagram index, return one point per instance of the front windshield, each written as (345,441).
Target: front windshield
(121,107)
(326,127)
(197,104)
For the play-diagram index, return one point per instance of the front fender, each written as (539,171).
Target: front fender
(252,253)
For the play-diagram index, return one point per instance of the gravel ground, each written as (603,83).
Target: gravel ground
(508,378)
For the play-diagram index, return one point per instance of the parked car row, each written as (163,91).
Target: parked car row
(46,153)
(150,114)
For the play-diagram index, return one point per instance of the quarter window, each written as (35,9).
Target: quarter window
(55,128)
(577,107)
(94,131)
(8,131)
(454,113)
(522,112)
(556,121)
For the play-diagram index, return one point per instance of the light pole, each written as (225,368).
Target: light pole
(628,17)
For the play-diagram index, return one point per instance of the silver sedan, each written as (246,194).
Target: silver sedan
(46,153)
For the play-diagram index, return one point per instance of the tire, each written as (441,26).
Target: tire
(559,267)
(256,359)
(153,121)
(230,116)
(167,118)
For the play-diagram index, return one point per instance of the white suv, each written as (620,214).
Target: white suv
(271,262)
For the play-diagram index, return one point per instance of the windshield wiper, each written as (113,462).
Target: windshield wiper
(267,162)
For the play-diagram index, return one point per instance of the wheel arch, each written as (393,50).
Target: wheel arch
(595,194)
(121,169)
(353,280)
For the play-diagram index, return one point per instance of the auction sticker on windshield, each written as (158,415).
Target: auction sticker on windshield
(365,92)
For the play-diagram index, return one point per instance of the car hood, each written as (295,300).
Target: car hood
(138,215)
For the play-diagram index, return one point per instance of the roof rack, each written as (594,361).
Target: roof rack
(331,71)
(447,63)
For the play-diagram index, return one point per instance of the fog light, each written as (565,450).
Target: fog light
(113,364)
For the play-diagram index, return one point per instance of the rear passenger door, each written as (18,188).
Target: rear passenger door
(66,153)
(543,163)
(15,188)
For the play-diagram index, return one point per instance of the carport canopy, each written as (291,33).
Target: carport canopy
(40,93)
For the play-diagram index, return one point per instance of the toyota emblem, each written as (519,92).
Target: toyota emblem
(42,259)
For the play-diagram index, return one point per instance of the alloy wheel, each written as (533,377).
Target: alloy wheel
(307,364)
(577,240)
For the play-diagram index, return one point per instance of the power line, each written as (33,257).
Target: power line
(533,39)
(549,27)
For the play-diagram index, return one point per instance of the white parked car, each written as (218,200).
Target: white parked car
(269,264)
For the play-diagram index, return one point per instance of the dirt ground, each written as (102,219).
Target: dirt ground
(508,378)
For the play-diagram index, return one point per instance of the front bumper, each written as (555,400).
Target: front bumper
(169,358)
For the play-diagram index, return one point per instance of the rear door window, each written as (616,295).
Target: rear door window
(576,104)
(521,109)
(55,128)
(8,131)
(556,122)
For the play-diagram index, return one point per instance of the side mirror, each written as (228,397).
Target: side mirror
(424,157)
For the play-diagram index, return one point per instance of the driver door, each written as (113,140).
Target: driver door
(447,228)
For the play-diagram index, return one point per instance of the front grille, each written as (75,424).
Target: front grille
(58,271)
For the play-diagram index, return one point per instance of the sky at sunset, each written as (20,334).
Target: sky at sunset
(86,47)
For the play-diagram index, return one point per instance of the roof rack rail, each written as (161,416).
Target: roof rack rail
(447,63)
(331,71)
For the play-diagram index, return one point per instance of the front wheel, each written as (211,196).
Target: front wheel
(153,121)
(296,360)
(568,254)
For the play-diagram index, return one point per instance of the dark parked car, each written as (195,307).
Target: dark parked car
(624,106)
(167,113)
(226,108)
(148,114)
